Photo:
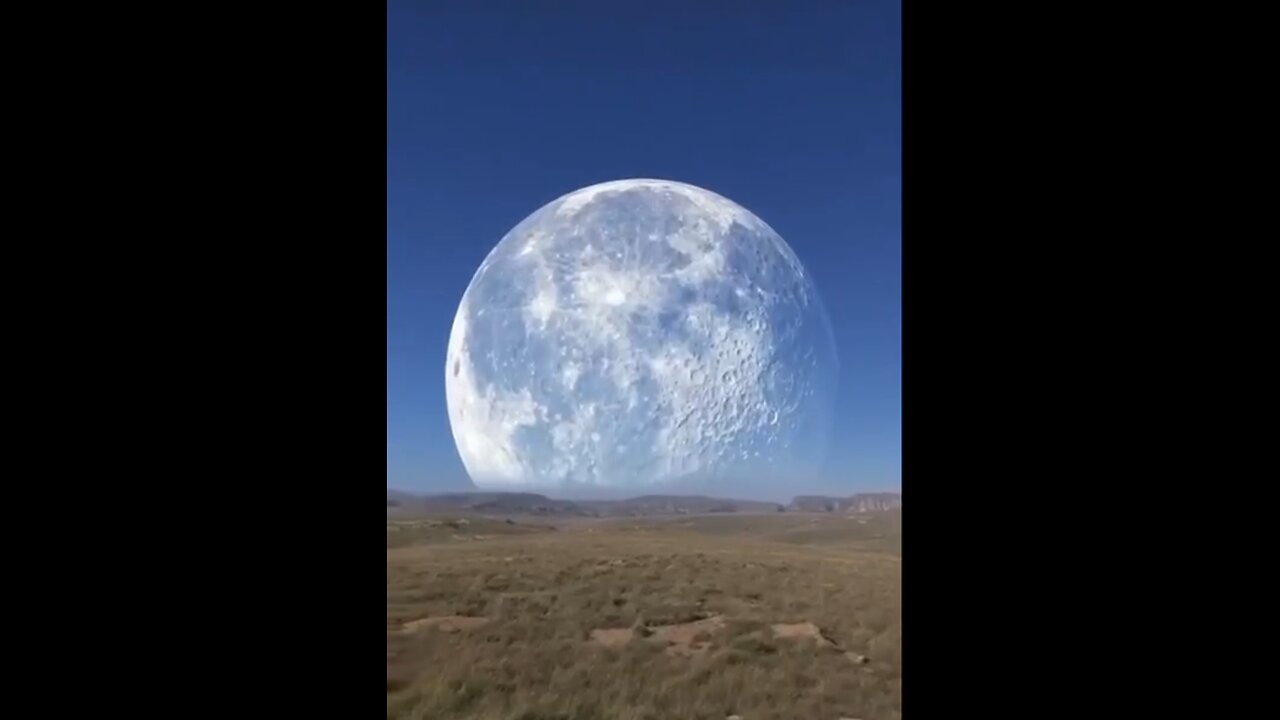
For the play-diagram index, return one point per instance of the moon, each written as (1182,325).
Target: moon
(640,334)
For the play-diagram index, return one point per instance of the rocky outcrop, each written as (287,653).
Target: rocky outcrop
(873,502)
(857,503)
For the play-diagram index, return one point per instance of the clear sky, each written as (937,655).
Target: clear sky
(791,109)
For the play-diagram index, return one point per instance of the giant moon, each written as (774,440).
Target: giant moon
(638,335)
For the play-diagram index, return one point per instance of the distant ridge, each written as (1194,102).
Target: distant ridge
(857,503)
(517,503)
(676,505)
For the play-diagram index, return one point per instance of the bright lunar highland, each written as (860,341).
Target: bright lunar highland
(635,334)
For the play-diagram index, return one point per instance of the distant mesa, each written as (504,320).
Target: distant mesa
(858,503)
(499,502)
(516,503)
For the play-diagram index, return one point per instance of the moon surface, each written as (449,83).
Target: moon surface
(639,334)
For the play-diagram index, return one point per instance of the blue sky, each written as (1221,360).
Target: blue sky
(792,110)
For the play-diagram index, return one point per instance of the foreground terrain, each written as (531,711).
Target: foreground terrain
(782,615)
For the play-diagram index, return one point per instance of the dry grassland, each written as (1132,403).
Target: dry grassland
(759,616)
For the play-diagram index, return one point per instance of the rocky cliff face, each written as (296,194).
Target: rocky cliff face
(857,503)
(873,502)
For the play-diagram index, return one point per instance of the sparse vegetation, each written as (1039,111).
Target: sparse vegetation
(649,618)
(421,531)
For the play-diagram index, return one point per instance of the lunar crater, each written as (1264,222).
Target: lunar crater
(634,334)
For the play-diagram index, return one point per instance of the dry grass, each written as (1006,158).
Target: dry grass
(692,607)
(456,528)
